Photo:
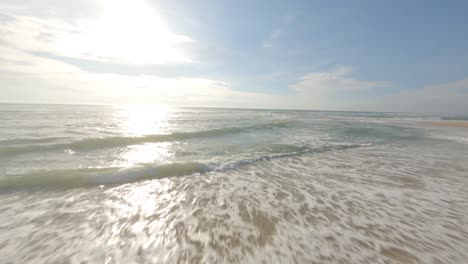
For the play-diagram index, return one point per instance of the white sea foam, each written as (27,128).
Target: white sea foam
(447,136)
(329,208)
(320,188)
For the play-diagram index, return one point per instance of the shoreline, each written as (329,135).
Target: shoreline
(459,124)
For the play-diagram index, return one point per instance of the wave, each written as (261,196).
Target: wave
(118,141)
(20,141)
(455,118)
(88,177)
(455,138)
(66,179)
(298,151)
(381,132)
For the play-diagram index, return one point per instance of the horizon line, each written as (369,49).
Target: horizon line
(232,108)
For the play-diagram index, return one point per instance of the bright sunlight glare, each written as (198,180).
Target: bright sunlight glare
(140,120)
(127,31)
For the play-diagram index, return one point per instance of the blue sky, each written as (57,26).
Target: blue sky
(407,42)
(407,56)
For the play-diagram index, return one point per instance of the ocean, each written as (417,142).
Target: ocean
(149,184)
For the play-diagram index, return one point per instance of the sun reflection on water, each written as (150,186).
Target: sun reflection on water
(140,121)
(149,153)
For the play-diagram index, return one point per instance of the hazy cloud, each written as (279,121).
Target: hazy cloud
(124,32)
(450,97)
(117,51)
(278,31)
(29,78)
(338,79)
(319,88)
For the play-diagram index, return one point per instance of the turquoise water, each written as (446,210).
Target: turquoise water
(163,185)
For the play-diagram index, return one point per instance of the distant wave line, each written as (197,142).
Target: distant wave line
(117,141)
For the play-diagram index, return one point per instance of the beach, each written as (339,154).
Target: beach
(463,124)
(101,184)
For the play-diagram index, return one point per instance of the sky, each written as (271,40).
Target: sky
(397,56)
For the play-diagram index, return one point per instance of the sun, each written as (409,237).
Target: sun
(127,32)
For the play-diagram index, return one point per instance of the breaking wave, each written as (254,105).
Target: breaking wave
(87,177)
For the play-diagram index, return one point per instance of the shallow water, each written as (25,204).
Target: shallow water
(99,184)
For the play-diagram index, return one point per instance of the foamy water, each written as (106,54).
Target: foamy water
(94,184)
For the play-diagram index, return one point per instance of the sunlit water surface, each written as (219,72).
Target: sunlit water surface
(145,184)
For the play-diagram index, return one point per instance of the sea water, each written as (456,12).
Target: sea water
(153,184)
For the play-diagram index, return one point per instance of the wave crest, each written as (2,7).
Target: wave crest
(74,178)
(119,141)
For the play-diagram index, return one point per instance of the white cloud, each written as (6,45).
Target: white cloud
(65,10)
(28,78)
(333,81)
(338,90)
(141,38)
(25,77)
(278,31)
(322,90)
(128,32)
(123,31)
(450,97)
